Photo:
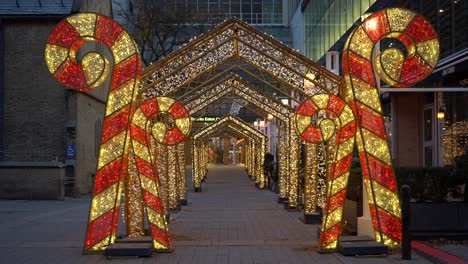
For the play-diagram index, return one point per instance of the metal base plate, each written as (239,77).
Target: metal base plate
(362,248)
(129,249)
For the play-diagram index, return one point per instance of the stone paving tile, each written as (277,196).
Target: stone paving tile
(229,222)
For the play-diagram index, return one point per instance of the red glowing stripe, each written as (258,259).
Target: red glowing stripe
(115,124)
(150,107)
(107,30)
(63,35)
(145,167)
(99,229)
(307,108)
(161,236)
(178,111)
(154,203)
(138,134)
(107,176)
(126,70)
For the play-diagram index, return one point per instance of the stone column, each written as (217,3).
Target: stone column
(364,223)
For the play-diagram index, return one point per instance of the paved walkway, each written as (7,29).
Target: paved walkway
(229,222)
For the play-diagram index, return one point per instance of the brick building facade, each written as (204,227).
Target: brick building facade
(50,135)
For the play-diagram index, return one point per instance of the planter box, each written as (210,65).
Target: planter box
(424,221)
(435,220)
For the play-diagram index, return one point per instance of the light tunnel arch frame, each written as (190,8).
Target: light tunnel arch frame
(230,120)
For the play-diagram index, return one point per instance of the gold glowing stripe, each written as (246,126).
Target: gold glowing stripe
(389,241)
(111,149)
(345,148)
(365,93)
(388,65)
(55,56)
(429,51)
(329,185)
(359,141)
(377,236)
(120,97)
(376,146)
(184,125)
(334,217)
(386,199)
(321,100)
(165,103)
(348,93)
(346,116)
(156,219)
(141,151)
(101,245)
(399,18)
(96,69)
(159,245)
(332,245)
(340,183)
(302,122)
(361,44)
(139,119)
(103,202)
(149,185)
(123,47)
(368,191)
(159,131)
(83,23)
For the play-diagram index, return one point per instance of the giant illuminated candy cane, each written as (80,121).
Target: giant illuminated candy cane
(327,118)
(361,92)
(150,120)
(114,168)
(362,95)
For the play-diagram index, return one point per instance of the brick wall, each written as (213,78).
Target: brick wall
(34,104)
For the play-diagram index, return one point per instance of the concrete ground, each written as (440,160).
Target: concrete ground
(229,222)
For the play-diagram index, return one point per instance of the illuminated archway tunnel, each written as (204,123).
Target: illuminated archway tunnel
(127,161)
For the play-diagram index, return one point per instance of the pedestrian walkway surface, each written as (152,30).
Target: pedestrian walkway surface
(230,221)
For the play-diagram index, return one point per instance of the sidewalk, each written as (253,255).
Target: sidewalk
(229,222)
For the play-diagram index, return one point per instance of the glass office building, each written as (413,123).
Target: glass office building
(257,12)
(325,22)
(418,137)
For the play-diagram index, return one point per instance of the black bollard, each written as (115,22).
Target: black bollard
(405,222)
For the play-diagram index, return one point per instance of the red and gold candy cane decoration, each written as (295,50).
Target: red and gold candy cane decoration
(61,48)
(168,122)
(321,118)
(362,94)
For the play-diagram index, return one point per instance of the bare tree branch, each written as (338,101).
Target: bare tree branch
(159,27)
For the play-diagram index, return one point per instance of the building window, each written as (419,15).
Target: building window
(455,127)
